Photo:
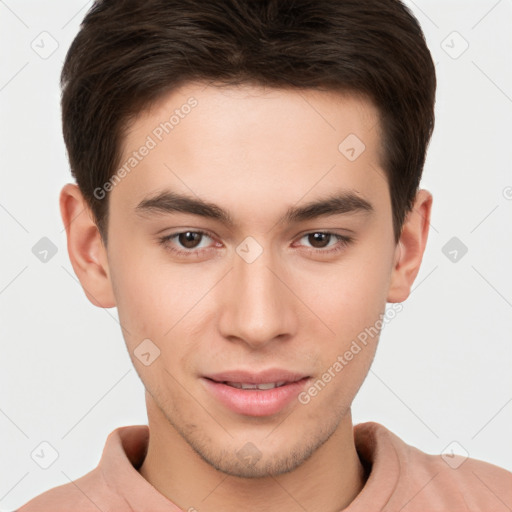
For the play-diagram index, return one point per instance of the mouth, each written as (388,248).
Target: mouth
(255,394)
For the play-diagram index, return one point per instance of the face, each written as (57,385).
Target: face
(279,293)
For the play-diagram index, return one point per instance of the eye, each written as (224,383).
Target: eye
(189,243)
(189,240)
(320,240)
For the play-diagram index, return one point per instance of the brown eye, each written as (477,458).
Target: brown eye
(189,239)
(186,243)
(325,243)
(319,240)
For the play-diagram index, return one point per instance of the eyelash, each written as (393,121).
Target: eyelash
(343,241)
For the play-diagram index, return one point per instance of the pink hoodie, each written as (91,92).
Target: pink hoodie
(402,478)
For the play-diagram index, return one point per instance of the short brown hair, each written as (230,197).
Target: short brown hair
(129,53)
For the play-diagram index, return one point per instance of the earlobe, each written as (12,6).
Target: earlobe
(85,247)
(411,247)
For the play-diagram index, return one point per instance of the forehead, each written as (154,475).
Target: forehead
(257,144)
(240,113)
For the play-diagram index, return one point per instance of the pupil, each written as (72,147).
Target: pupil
(188,238)
(318,237)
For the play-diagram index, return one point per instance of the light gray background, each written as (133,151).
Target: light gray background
(442,370)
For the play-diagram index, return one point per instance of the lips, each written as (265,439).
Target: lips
(255,394)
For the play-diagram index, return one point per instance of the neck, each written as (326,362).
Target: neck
(328,481)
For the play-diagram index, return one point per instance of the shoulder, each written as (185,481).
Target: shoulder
(101,488)
(439,482)
(470,484)
(86,494)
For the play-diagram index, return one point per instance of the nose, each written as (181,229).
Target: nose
(257,306)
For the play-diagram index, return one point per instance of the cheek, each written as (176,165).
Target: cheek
(150,308)
(158,301)
(145,295)
(353,309)
(350,297)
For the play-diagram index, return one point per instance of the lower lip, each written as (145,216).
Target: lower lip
(255,402)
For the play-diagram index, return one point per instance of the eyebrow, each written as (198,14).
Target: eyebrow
(165,202)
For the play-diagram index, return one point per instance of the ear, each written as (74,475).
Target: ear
(410,248)
(86,251)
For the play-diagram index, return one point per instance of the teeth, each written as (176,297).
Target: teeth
(265,385)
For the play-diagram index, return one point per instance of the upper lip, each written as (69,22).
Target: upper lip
(265,376)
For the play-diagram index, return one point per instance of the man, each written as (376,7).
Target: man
(248,198)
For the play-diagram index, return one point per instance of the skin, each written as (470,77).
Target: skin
(254,152)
